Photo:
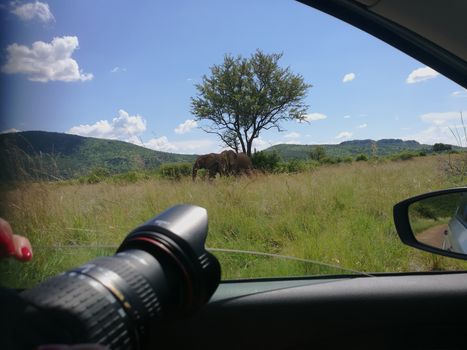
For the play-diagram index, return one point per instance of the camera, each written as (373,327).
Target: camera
(161,271)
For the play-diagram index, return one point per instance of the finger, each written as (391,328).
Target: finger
(7,246)
(23,248)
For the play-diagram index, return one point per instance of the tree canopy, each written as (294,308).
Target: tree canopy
(440,147)
(244,96)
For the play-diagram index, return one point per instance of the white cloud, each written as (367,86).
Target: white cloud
(362,126)
(347,117)
(311,117)
(33,10)
(117,69)
(124,127)
(421,74)
(128,128)
(435,134)
(348,77)
(9,131)
(45,62)
(292,135)
(441,128)
(259,144)
(197,146)
(186,126)
(344,135)
(459,93)
(440,118)
(160,144)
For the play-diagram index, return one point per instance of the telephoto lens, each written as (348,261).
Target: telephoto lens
(161,271)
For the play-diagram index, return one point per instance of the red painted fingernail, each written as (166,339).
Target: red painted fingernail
(25,254)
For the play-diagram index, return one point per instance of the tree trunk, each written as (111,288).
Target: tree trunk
(248,150)
(242,143)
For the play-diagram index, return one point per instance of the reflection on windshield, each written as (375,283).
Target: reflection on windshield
(291,144)
(52,260)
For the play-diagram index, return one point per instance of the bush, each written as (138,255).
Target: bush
(175,171)
(361,157)
(424,211)
(95,176)
(317,153)
(329,160)
(130,177)
(440,147)
(403,156)
(266,161)
(292,166)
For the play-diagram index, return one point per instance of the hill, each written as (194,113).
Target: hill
(384,147)
(57,155)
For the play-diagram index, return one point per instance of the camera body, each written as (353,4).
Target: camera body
(160,271)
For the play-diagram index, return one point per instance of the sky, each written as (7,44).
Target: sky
(126,70)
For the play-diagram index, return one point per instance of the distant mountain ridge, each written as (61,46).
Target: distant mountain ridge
(383,147)
(65,156)
(53,155)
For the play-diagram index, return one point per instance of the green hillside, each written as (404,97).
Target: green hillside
(56,155)
(382,147)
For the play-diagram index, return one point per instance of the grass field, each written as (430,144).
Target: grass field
(339,214)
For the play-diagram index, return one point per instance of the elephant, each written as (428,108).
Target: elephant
(237,163)
(214,163)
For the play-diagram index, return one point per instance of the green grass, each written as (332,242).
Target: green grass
(337,214)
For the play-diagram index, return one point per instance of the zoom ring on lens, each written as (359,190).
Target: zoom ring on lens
(78,303)
(146,305)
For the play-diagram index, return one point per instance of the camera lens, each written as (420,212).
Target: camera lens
(160,271)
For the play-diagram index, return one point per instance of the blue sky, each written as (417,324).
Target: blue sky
(125,70)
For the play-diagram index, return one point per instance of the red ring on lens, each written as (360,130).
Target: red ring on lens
(166,250)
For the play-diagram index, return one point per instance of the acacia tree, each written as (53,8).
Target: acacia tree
(244,96)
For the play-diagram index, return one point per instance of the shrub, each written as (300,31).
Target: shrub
(361,157)
(293,166)
(317,153)
(405,155)
(95,176)
(130,177)
(440,147)
(329,160)
(424,211)
(175,170)
(266,161)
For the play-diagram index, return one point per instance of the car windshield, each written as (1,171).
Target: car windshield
(113,112)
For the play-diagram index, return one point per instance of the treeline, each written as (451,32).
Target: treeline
(271,162)
(264,162)
(173,171)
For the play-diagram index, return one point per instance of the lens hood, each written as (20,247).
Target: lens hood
(177,237)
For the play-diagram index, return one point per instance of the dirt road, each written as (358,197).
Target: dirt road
(434,236)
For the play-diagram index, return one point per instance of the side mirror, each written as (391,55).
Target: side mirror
(435,222)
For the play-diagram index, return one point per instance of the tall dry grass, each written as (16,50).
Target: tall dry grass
(340,214)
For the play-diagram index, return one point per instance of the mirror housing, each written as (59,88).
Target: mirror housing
(435,206)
